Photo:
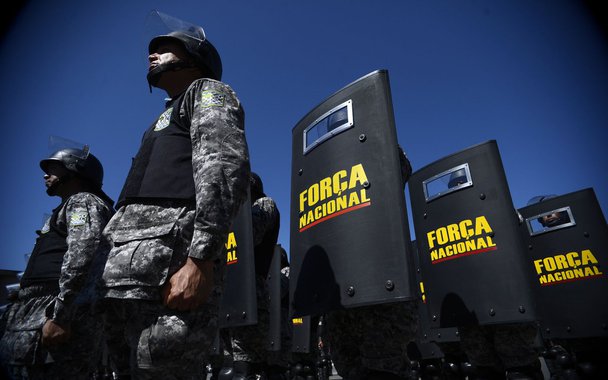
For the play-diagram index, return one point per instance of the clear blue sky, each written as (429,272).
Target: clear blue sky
(531,74)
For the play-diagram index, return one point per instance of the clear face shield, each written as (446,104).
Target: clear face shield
(76,150)
(70,154)
(159,24)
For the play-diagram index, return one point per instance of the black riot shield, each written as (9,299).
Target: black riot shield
(238,306)
(273,280)
(567,239)
(425,348)
(215,346)
(301,334)
(426,336)
(349,232)
(469,240)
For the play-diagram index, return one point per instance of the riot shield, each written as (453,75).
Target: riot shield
(425,335)
(469,239)
(238,306)
(301,334)
(567,239)
(349,232)
(274,291)
(215,346)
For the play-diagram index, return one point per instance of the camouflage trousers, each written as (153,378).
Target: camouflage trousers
(371,338)
(22,354)
(149,341)
(500,347)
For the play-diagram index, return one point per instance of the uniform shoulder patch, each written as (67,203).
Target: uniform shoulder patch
(212,98)
(78,218)
(164,120)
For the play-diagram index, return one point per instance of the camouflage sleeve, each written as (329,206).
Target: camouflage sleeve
(264,215)
(220,163)
(85,216)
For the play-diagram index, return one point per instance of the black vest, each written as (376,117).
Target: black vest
(265,250)
(162,168)
(45,262)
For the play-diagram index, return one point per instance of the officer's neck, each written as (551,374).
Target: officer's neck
(71,187)
(177,82)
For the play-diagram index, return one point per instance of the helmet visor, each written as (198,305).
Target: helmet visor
(78,150)
(160,24)
(66,151)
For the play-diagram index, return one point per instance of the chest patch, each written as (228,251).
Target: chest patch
(212,98)
(164,120)
(47,226)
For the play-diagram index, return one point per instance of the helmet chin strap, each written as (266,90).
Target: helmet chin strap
(155,74)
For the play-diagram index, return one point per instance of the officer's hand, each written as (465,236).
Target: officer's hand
(53,333)
(190,286)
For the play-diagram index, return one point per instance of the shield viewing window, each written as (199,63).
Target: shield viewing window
(451,180)
(332,122)
(550,221)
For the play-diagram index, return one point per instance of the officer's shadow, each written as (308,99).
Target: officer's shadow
(316,291)
(454,312)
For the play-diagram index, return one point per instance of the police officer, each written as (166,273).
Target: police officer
(370,342)
(164,274)
(51,332)
(249,342)
(496,349)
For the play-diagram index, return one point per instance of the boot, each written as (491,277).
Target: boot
(243,371)
(529,372)
(225,373)
(380,375)
(486,373)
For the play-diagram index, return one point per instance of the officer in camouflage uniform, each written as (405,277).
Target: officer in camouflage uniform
(164,274)
(249,342)
(51,332)
(370,342)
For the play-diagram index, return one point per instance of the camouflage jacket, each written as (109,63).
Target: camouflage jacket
(84,216)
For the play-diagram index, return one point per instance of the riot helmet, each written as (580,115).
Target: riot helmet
(458,178)
(192,37)
(256,187)
(80,162)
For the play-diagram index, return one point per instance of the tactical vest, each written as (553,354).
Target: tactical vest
(162,167)
(45,262)
(264,251)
